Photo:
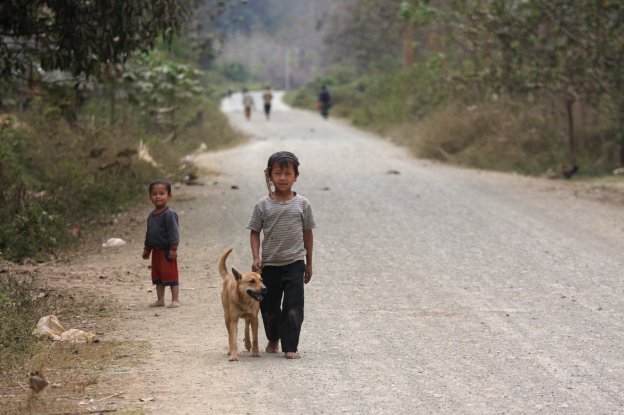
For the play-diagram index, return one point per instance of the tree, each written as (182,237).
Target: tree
(546,45)
(364,32)
(416,13)
(608,58)
(562,54)
(81,36)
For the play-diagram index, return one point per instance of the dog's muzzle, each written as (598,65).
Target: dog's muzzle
(257,296)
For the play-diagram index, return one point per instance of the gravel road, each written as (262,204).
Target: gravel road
(435,289)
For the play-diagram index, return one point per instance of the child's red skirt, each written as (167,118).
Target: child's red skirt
(164,271)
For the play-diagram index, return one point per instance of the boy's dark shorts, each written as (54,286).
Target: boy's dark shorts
(164,271)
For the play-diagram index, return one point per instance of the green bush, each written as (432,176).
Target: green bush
(18,313)
(32,232)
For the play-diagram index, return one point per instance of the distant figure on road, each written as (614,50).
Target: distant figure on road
(267,97)
(324,101)
(248,103)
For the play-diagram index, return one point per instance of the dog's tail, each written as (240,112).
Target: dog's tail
(222,268)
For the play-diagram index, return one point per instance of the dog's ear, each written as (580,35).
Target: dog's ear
(237,275)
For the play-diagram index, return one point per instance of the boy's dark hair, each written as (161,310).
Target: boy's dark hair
(160,181)
(283,158)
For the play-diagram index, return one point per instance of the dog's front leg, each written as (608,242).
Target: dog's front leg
(255,351)
(232,334)
(247,341)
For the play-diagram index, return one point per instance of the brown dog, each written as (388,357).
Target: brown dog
(241,296)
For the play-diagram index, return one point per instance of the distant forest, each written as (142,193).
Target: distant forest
(279,42)
(287,43)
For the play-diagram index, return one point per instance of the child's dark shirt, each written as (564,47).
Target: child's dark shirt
(163,230)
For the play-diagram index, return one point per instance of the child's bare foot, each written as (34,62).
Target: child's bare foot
(292,355)
(158,303)
(174,304)
(272,347)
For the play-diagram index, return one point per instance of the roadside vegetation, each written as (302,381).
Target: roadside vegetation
(87,118)
(531,87)
(523,136)
(67,160)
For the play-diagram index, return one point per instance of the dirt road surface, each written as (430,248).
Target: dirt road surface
(435,289)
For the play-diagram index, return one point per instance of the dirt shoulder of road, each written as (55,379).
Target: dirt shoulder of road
(608,190)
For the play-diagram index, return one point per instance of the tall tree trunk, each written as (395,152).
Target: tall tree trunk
(622,134)
(112,103)
(408,44)
(569,103)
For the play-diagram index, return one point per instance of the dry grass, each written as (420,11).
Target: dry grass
(74,372)
(484,137)
(80,375)
(503,137)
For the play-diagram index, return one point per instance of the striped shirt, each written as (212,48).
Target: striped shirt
(282,224)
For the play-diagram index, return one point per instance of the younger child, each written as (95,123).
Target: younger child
(286,220)
(161,240)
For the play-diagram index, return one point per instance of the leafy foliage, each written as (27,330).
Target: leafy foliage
(363,32)
(81,36)
(564,48)
(566,53)
(17,313)
(154,80)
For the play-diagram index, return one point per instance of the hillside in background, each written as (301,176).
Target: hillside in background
(280,42)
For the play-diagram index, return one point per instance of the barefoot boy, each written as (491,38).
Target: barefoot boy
(286,220)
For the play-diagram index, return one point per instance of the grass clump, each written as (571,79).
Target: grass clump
(488,137)
(508,137)
(18,311)
(72,369)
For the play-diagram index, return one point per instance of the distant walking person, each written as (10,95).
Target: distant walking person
(248,103)
(267,97)
(324,101)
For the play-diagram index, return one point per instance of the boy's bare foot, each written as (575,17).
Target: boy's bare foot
(272,347)
(174,304)
(157,304)
(292,355)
